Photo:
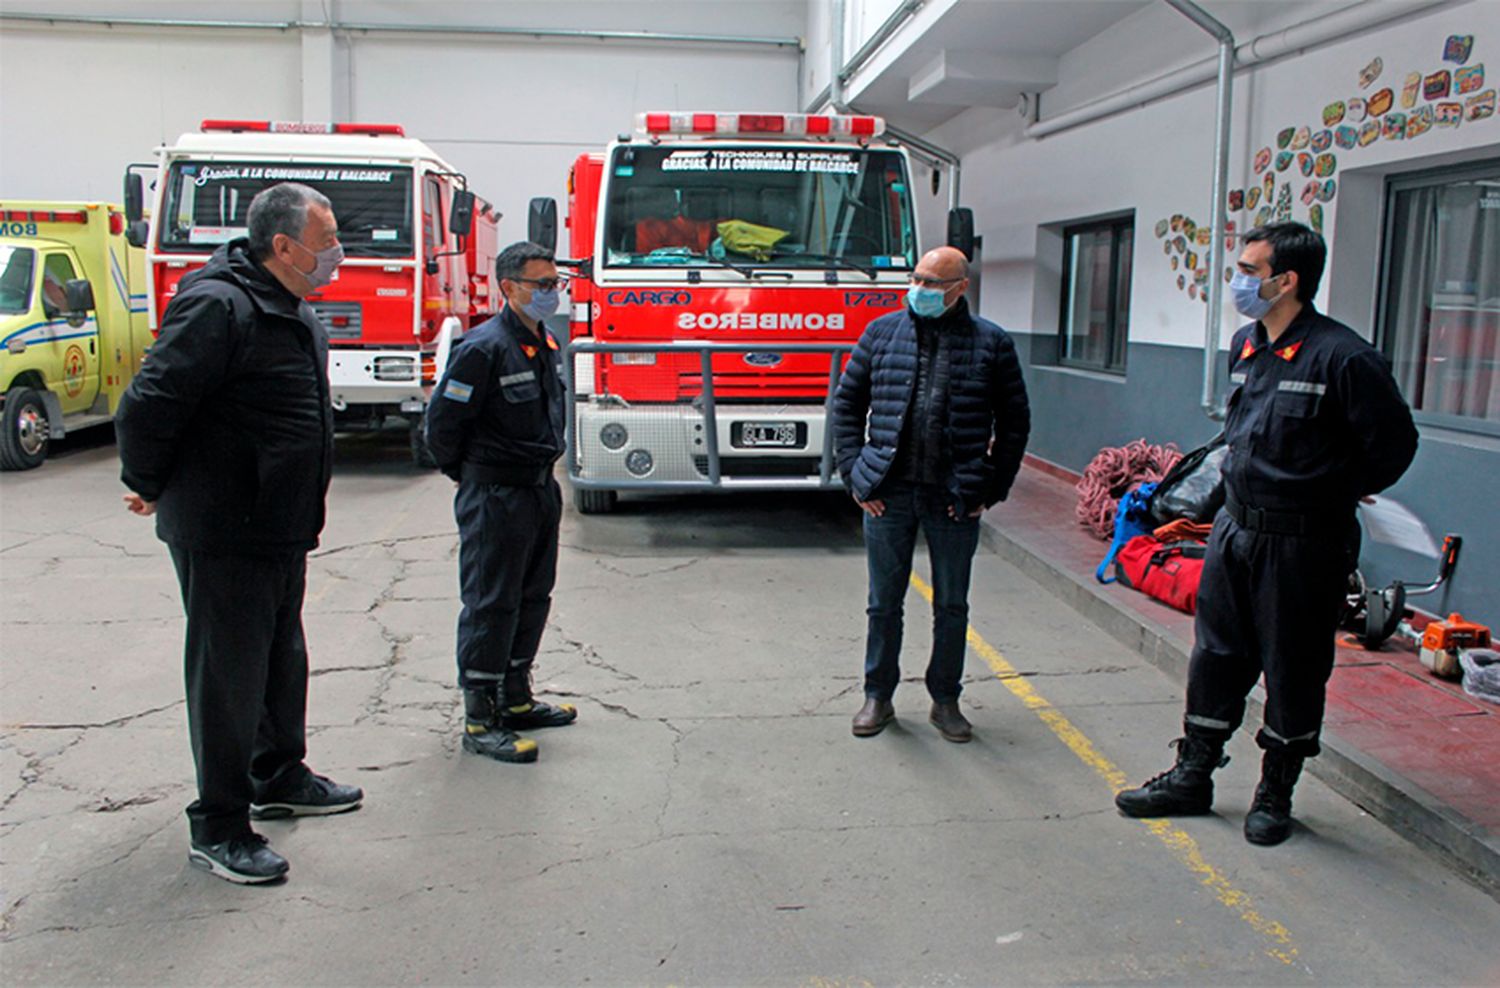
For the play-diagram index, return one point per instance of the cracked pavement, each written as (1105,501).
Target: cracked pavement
(708,820)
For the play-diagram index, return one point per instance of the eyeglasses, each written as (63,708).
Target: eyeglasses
(545,284)
(922,282)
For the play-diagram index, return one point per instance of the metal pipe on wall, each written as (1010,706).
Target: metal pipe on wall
(570,34)
(1319,30)
(1213,320)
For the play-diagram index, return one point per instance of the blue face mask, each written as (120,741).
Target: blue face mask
(542,304)
(926,302)
(1247,298)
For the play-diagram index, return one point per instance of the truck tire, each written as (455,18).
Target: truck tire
(24,430)
(420,454)
(591,502)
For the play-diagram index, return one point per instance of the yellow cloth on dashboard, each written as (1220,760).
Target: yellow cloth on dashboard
(750,239)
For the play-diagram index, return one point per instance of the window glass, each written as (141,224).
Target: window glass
(207,203)
(1096,294)
(786,207)
(16,267)
(57,271)
(1441,313)
(432,216)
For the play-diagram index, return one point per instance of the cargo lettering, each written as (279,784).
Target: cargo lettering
(812,321)
(644,297)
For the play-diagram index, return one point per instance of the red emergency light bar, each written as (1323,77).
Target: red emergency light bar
(301,127)
(791,124)
(42,216)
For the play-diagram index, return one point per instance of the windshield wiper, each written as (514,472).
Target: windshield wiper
(749,273)
(838,262)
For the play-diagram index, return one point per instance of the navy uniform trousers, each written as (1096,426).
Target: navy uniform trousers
(507,565)
(1268,604)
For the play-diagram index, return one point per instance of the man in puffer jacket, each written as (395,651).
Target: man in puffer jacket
(930,423)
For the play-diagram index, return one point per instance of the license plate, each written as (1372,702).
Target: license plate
(767,435)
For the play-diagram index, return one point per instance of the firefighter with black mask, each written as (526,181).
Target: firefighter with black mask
(495,425)
(1315,422)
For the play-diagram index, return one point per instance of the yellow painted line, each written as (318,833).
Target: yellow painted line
(1182,846)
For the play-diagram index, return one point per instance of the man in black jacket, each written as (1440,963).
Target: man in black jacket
(226,436)
(1315,422)
(495,425)
(930,423)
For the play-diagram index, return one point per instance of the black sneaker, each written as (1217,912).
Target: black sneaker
(246,860)
(316,795)
(529,716)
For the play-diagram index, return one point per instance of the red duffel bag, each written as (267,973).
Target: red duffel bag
(1167,571)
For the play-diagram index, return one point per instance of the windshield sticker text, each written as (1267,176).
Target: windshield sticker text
(769,160)
(275,173)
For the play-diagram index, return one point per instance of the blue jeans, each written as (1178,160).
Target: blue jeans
(889,542)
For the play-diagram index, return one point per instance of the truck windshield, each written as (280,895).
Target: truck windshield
(207,202)
(16,267)
(758,205)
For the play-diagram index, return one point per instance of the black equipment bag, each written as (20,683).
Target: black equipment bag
(1194,487)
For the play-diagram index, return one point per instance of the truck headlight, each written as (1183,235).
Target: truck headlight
(638,462)
(614,436)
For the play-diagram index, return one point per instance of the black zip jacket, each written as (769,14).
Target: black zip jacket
(228,427)
(1315,420)
(500,401)
(985,424)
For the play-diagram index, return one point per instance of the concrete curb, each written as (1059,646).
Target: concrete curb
(1398,802)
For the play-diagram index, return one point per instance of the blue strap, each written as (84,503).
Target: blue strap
(1132,518)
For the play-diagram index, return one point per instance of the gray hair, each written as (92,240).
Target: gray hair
(513,259)
(280,208)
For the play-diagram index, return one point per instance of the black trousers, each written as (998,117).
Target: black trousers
(246,671)
(1267,605)
(507,565)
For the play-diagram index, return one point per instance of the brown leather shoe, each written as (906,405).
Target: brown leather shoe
(873,717)
(951,724)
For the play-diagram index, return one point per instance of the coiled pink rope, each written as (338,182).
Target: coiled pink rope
(1115,470)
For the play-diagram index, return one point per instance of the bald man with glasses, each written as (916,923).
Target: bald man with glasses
(930,423)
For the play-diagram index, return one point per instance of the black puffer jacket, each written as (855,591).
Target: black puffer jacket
(228,425)
(988,418)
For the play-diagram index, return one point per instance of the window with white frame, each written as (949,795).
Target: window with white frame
(1094,322)
(1440,305)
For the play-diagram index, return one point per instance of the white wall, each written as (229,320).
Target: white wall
(78,103)
(1157,161)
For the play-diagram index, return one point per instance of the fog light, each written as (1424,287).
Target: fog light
(613,436)
(638,462)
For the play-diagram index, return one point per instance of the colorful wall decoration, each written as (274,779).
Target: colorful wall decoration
(1307,157)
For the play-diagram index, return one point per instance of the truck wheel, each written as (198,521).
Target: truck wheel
(24,430)
(420,454)
(591,502)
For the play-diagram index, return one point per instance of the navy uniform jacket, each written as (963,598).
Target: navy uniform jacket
(500,402)
(1315,420)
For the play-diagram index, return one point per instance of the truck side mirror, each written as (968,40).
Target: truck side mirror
(541,223)
(135,198)
(461,216)
(961,230)
(136,233)
(78,297)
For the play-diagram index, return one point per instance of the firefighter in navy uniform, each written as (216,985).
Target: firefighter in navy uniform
(495,425)
(1315,422)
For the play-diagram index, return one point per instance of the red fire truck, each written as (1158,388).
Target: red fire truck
(420,247)
(726,265)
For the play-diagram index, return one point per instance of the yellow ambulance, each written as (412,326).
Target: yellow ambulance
(73,329)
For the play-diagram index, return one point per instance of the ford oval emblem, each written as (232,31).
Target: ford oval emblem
(762,359)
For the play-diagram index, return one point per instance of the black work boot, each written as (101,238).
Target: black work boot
(520,711)
(483,733)
(1186,789)
(1269,821)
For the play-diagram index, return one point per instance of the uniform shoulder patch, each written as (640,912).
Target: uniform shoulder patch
(458,391)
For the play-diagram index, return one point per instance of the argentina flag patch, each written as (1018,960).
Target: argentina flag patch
(458,390)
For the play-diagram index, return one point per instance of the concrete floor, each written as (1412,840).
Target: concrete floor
(709,820)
